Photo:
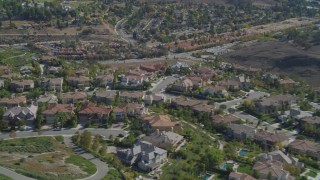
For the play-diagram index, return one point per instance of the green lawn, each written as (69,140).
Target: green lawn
(312,173)
(29,145)
(59,138)
(83,163)
(4,177)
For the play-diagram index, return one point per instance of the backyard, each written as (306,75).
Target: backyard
(44,158)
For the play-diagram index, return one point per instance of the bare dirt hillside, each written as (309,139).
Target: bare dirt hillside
(281,57)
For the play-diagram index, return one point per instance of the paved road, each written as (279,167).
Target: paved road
(163,84)
(13,174)
(103,132)
(102,167)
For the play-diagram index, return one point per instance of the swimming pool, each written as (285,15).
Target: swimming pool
(207,176)
(224,166)
(243,152)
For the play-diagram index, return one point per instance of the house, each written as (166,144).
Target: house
(92,112)
(305,147)
(1,83)
(154,99)
(287,82)
(79,81)
(274,103)
(54,70)
(22,85)
(54,109)
(152,68)
(105,80)
(73,97)
(203,108)
(215,90)
(47,99)
(183,85)
(225,119)
(133,80)
(244,81)
(177,66)
(275,168)
(12,102)
(105,96)
(204,72)
(53,84)
(131,95)
(278,155)
(120,113)
(312,120)
(240,131)
(134,109)
(230,84)
(270,140)
(27,114)
(145,155)
(186,102)
(161,122)
(4,69)
(164,139)
(25,70)
(294,113)
(240,176)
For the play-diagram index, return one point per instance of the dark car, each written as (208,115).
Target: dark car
(121,135)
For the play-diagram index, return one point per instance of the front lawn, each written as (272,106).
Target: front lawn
(312,173)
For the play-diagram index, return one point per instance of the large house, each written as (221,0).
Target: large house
(131,95)
(22,85)
(274,103)
(145,155)
(312,120)
(53,84)
(225,119)
(240,131)
(215,90)
(13,115)
(105,80)
(79,82)
(129,109)
(240,176)
(12,102)
(305,147)
(270,140)
(47,99)
(161,122)
(273,169)
(164,139)
(73,97)
(278,155)
(97,114)
(54,109)
(105,96)
(182,85)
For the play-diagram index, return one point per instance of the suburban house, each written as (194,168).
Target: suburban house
(270,140)
(225,119)
(129,109)
(73,97)
(54,109)
(22,85)
(313,120)
(203,108)
(199,82)
(164,139)
(105,80)
(54,70)
(275,168)
(182,85)
(240,131)
(294,113)
(274,103)
(215,90)
(133,80)
(79,82)
(287,82)
(161,122)
(12,102)
(25,70)
(240,176)
(154,99)
(47,99)
(305,147)
(131,95)
(204,72)
(94,113)
(1,83)
(152,68)
(278,155)
(53,84)
(147,156)
(13,115)
(177,66)
(105,96)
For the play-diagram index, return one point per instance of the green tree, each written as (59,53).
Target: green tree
(96,142)
(103,150)
(86,139)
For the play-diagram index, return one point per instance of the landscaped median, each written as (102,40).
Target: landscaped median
(44,158)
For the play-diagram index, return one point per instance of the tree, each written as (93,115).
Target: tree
(103,150)
(256,174)
(96,142)
(86,139)
(269,176)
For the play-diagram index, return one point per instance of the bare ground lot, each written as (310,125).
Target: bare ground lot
(281,57)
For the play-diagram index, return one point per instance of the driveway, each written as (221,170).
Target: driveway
(102,167)
(163,83)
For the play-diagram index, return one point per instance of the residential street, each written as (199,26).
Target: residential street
(163,83)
